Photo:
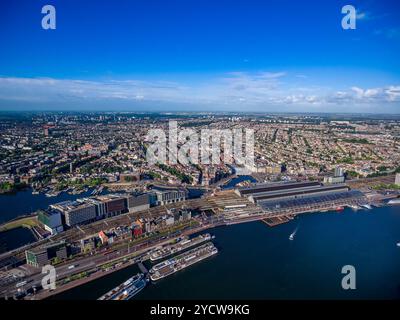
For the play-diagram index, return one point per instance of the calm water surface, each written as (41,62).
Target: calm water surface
(24,202)
(259,262)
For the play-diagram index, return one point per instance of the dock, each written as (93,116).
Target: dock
(274,221)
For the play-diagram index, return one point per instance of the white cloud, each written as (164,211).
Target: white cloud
(363,15)
(367,93)
(235,90)
(390,33)
(393,93)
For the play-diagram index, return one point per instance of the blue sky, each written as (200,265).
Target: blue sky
(189,55)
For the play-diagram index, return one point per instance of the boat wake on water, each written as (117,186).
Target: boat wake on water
(292,235)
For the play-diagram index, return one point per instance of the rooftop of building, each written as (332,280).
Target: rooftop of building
(167,188)
(49,212)
(111,196)
(288,193)
(47,246)
(267,187)
(70,205)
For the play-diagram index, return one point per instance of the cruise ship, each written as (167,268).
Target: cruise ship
(182,261)
(182,244)
(126,290)
(164,264)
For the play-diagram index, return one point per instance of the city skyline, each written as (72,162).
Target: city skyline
(202,56)
(193,157)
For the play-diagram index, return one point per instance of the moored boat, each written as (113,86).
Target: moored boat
(394,201)
(126,290)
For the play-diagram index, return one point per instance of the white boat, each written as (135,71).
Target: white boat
(398,244)
(354,207)
(394,201)
(291,237)
(366,206)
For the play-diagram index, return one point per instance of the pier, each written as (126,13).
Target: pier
(274,221)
